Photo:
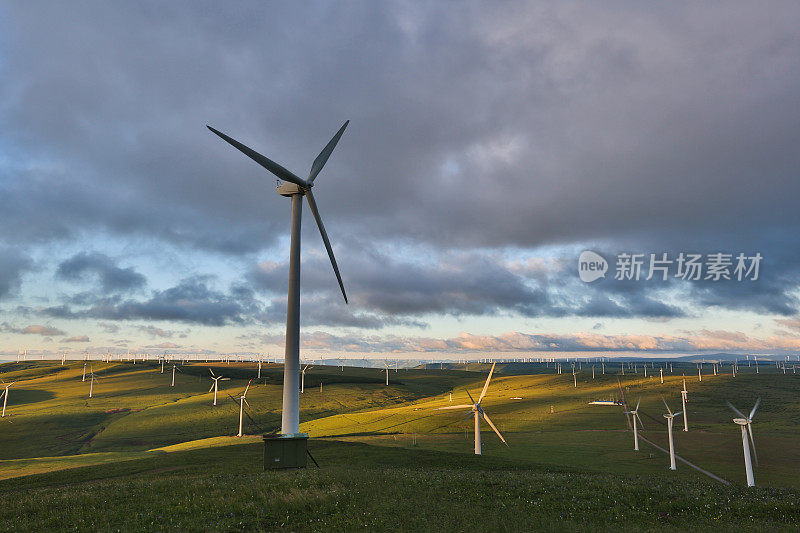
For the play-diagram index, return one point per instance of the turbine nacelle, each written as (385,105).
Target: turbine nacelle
(289,189)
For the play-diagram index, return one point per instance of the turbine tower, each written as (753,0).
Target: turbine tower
(635,417)
(746,423)
(670,418)
(295,188)
(477,412)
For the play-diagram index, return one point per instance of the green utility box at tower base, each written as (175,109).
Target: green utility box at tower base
(285,451)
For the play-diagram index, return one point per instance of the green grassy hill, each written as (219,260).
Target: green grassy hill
(141,455)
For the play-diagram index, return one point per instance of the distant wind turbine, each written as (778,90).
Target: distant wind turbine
(303,377)
(214,386)
(295,188)
(746,424)
(91,383)
(242,401)
(387,373)
(670,417)
(635,413)
(5,397)
(477,412)
(174,368)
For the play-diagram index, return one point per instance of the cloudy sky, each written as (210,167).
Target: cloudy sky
(489,145)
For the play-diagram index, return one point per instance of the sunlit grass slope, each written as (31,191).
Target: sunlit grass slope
(567,463)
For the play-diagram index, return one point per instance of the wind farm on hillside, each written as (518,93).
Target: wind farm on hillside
(61,425)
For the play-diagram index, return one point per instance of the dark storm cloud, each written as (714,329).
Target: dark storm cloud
(490,125)
(112,278)
(460,284)
(13,264)
(191,301)
(486,127)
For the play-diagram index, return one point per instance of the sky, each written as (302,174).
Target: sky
(489,145)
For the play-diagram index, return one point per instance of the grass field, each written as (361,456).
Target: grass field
(141,455)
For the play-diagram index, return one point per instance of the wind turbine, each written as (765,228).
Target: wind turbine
(303,377)
(670,418)
(295,188)
(214,386)
(746,423)
(5,397)
(477,411)
(242,401)
(174,368)
(684,392)
(635,417)
(387,373)
(91,382)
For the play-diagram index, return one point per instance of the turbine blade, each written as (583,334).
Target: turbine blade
(247,388)
(470,397)
(639,418)
(265,162)
(212,388)
(754,408)
(752,443)
(453,407)
(735,410)
(486,417)
(245,401)
(313,205)
(665,405)
(323,156)
(212,372)
(225,379)
(486,385)
(678,413)
(637,403)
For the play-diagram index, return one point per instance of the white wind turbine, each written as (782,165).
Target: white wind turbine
(635,417)
(216,381)
(670,418)
(387,373)
(91,382)
(477,412)
(83,378)
(5,397)
(296,188)
(174,368)
(746,423)
(303,377)
(242,401)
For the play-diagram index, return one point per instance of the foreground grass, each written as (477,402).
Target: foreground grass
(362,487)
